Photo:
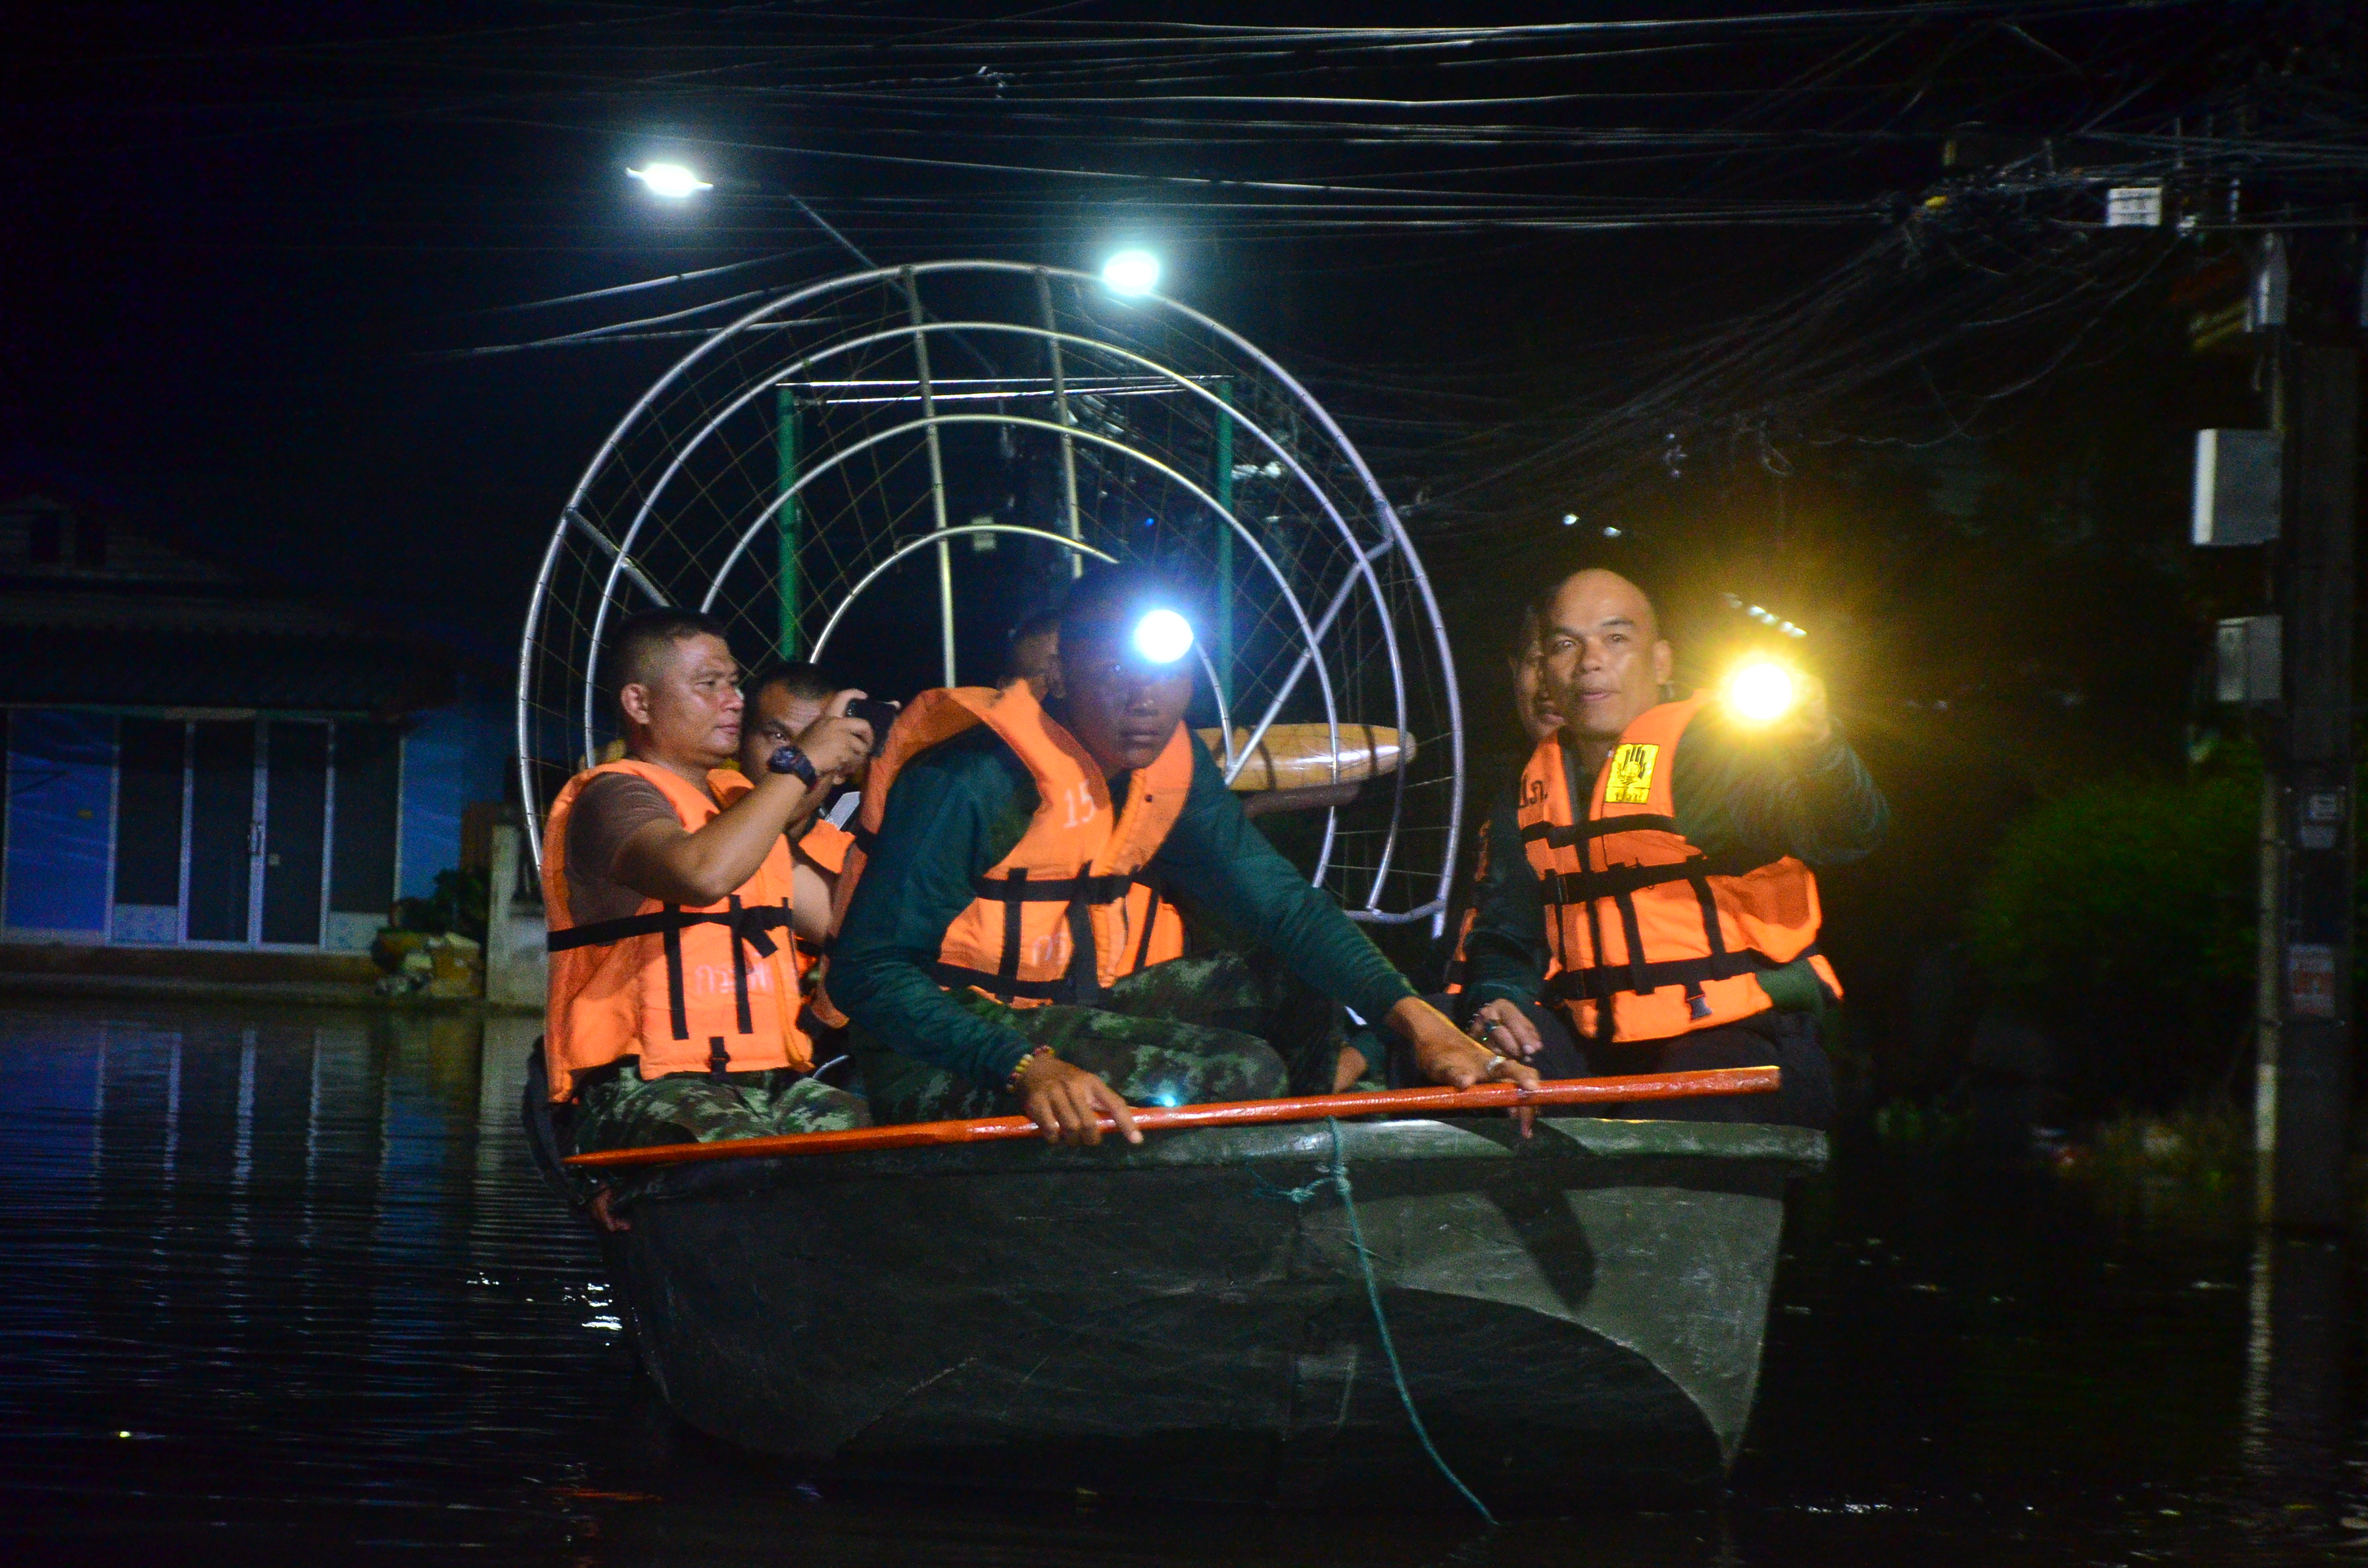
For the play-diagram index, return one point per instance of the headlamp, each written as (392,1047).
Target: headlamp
(1761,691)
(1162,637)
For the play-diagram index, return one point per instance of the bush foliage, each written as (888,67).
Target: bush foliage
(2121,917)
(458,904)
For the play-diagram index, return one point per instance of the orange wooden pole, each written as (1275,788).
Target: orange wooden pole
(1440,1101)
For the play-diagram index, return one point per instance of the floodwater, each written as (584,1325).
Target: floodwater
(281,1285)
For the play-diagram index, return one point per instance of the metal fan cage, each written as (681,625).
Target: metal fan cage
(883,470)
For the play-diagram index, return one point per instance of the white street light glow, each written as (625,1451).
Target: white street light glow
(1163,637)
(671,180)
(1761,691)
(1131,272)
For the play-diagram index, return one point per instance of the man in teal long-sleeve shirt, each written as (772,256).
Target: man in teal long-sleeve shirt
(1226,1026)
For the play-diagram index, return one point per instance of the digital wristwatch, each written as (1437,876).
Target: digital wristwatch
(791,760)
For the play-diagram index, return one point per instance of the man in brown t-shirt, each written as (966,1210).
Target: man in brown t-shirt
(681,708)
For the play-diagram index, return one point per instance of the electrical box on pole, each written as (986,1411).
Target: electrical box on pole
(2249,666)
(2239,487)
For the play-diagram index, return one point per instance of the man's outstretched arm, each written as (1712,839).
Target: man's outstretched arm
(1215,857)
(1801,791)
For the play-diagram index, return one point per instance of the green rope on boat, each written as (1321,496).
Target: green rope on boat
(1336,1176)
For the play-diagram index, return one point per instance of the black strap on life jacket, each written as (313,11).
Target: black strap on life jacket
(1563,835)
(1016,888)
(1607,1025)
(1081,986)
(1007,971)
(740,972)
(752,925)
(1698,1005)
(1618,881)
(1150,919)
(749,924)
(1591,886)
(1084,981)
(953,976)
(678,1003)
(1602,981)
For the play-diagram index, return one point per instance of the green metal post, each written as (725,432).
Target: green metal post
(1225,492)
(792,530)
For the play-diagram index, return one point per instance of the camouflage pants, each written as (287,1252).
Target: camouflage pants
(1219,1027)
(628,1111)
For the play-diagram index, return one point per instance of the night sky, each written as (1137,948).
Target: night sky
(245,238)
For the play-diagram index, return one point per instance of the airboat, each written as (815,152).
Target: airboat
(882,471)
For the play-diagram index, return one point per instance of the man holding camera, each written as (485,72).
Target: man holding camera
(1648,879)
(675,1006)
(784,703)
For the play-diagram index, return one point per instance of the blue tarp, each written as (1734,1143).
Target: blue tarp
(456,757)
(60,827)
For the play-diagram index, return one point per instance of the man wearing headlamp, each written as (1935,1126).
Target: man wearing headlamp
(988,954)
(1649,880)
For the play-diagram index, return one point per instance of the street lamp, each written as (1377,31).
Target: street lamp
(1131,272)
(672,181)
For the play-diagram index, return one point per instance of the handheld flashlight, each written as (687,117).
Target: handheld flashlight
(1162,637)
(1761,691)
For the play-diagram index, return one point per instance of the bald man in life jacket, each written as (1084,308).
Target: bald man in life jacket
(986,955)
(1648,903)
(676,1013)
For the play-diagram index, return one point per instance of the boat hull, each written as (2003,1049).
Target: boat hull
(1577,1317)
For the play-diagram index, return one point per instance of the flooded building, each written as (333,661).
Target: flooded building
(198,760)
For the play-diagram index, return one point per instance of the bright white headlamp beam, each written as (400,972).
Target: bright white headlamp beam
(671,180)
(1162,637)
(1131,272)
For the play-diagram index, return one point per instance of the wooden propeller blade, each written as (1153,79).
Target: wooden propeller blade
(1298,757)
(1235,1113)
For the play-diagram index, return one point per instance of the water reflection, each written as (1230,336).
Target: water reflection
(282,1283)
(2299,1364)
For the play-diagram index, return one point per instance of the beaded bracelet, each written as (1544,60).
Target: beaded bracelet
(1011,1084)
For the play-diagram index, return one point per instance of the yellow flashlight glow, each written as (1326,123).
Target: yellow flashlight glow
(1761,691)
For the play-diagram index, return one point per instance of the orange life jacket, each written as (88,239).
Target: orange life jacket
(827,845)
(709,989)
(824,843)
(1458,968)
(1651,937)
(1067,912)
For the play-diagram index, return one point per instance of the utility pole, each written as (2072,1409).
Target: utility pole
(2317,407)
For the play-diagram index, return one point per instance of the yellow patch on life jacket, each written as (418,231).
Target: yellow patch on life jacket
(1629,780)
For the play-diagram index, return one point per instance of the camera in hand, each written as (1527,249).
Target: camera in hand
(876,713)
